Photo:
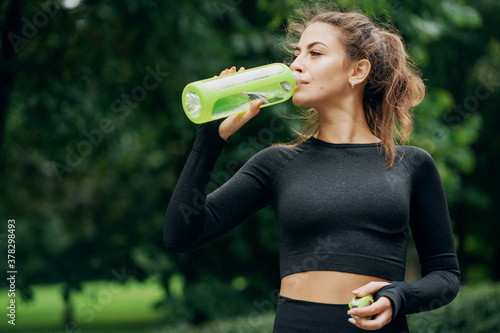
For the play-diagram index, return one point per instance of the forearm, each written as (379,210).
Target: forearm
(186,210)
(435,290)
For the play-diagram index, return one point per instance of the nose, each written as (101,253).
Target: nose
(297,65)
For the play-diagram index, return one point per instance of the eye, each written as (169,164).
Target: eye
(314,53)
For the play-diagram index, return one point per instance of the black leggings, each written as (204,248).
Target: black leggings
(297,316)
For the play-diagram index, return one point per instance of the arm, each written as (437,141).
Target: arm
(194,219)
(431,229)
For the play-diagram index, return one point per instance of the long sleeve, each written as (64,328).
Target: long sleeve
(193,218)
(431,230)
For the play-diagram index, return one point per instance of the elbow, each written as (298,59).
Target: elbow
(453,281)
(456,284)
(174,240)
(177,238)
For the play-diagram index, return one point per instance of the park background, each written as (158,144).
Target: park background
(93,139)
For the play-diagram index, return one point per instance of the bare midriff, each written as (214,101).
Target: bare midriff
(331,287)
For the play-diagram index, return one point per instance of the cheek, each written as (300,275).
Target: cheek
(323,82)
(330,74)
(326,86)
(330,83)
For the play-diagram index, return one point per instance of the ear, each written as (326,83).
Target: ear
(360,71)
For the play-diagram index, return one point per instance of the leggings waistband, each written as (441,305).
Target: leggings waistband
(294,300)
(299,316)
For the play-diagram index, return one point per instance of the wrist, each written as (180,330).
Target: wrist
(223,135)
(208,140)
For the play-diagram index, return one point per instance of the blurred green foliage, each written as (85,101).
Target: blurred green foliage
(94,138)
(474,310)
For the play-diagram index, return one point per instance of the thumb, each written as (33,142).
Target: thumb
(242,118)
(369,288)
(254,109)
(232,123)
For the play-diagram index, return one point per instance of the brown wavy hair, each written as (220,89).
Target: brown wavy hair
(393,87)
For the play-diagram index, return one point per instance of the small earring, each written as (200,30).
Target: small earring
(352,85)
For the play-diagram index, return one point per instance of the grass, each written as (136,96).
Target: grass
(100,306)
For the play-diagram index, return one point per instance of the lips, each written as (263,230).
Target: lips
(303,83)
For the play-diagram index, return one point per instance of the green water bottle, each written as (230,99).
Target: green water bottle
(222,96)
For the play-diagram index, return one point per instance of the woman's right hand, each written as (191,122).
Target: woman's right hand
(233,123)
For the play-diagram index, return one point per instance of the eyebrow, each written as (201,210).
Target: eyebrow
(297,48)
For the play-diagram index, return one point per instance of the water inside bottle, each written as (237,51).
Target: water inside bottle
(241,102)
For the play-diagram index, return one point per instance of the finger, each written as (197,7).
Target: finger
(252,112)
(380,321)
(369,288)
(383,304)
(256,104)
(235,122)
(254,109)
(365,312)
(230,70)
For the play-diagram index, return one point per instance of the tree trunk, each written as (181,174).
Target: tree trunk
(68,309)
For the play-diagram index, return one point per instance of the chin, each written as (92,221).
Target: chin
(298,101)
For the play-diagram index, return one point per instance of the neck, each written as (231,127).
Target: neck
(344,124)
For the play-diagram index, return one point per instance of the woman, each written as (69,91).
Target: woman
(345,197)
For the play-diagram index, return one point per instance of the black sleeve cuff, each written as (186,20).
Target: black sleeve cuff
(392,292)
(208,141)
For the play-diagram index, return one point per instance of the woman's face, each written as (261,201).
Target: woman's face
(321,62)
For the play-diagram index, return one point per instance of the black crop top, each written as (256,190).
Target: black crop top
(338,207)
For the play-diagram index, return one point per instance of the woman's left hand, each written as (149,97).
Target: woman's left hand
(382,308)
